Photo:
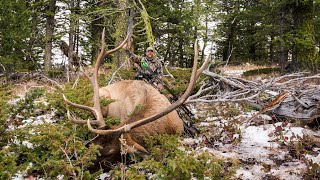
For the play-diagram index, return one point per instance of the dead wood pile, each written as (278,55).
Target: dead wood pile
(301,103)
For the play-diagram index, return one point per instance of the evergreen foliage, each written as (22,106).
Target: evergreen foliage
(167,161)
(277,31)
(281,31)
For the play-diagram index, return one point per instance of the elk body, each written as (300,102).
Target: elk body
(142,111)
(134,100)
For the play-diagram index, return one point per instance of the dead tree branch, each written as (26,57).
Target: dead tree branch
(301,103)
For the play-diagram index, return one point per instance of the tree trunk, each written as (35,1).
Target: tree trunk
(271,49)
(120,33)
(304,45)
(30,56)
(230,42)
(167,54)
(71,33)
(180,51)
(51,8)
(283,60)
(96,30)
(77,28)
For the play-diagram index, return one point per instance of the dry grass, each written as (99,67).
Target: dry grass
(245,67)
(261,76)
(234,70)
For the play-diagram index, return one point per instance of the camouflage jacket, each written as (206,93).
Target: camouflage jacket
(154,63)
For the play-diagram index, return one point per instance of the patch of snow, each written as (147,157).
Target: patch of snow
(244,174)
(291,170)
(292,134)
(281,155)
(210,119)
(257,136)
(18,176)
(256,144)
(60,177)
(104,176)
(204,124)
(28,144)
(313,158)
(233,73)
(265,117)
(192,141)
(24,142)
(38,120)
(21,175)
(259,148)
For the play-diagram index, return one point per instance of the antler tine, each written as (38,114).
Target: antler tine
(120,46)
(203,67)
(88,108)
(85,73)
(96,109)
(80,106)
(76,120)
(126,128)
(102,53)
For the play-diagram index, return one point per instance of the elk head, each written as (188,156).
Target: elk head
(157,115)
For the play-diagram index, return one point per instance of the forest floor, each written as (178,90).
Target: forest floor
(267,148)
(264,150)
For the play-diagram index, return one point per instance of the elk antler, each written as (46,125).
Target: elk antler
(194,76)
(96,109)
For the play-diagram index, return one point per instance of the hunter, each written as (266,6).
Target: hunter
(149,64)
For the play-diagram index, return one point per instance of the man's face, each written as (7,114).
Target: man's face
(150,54)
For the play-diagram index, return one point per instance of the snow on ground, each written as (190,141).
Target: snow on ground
(237,71)
(40,119)
(260,148)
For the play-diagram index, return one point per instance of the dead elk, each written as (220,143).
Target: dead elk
(157,115)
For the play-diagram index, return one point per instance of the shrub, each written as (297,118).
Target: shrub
(167,161)
(46,150)
(56,73)
(5,95)
(52,150)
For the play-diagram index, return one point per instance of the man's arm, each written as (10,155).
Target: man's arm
(158,69)
(133,57)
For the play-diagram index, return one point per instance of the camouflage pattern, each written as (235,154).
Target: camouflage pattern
(153,63)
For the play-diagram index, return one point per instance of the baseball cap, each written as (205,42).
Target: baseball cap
(150,49)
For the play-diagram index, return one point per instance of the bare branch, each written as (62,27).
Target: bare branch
(70,162)
(52,81)
(228,81)
(115,72)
